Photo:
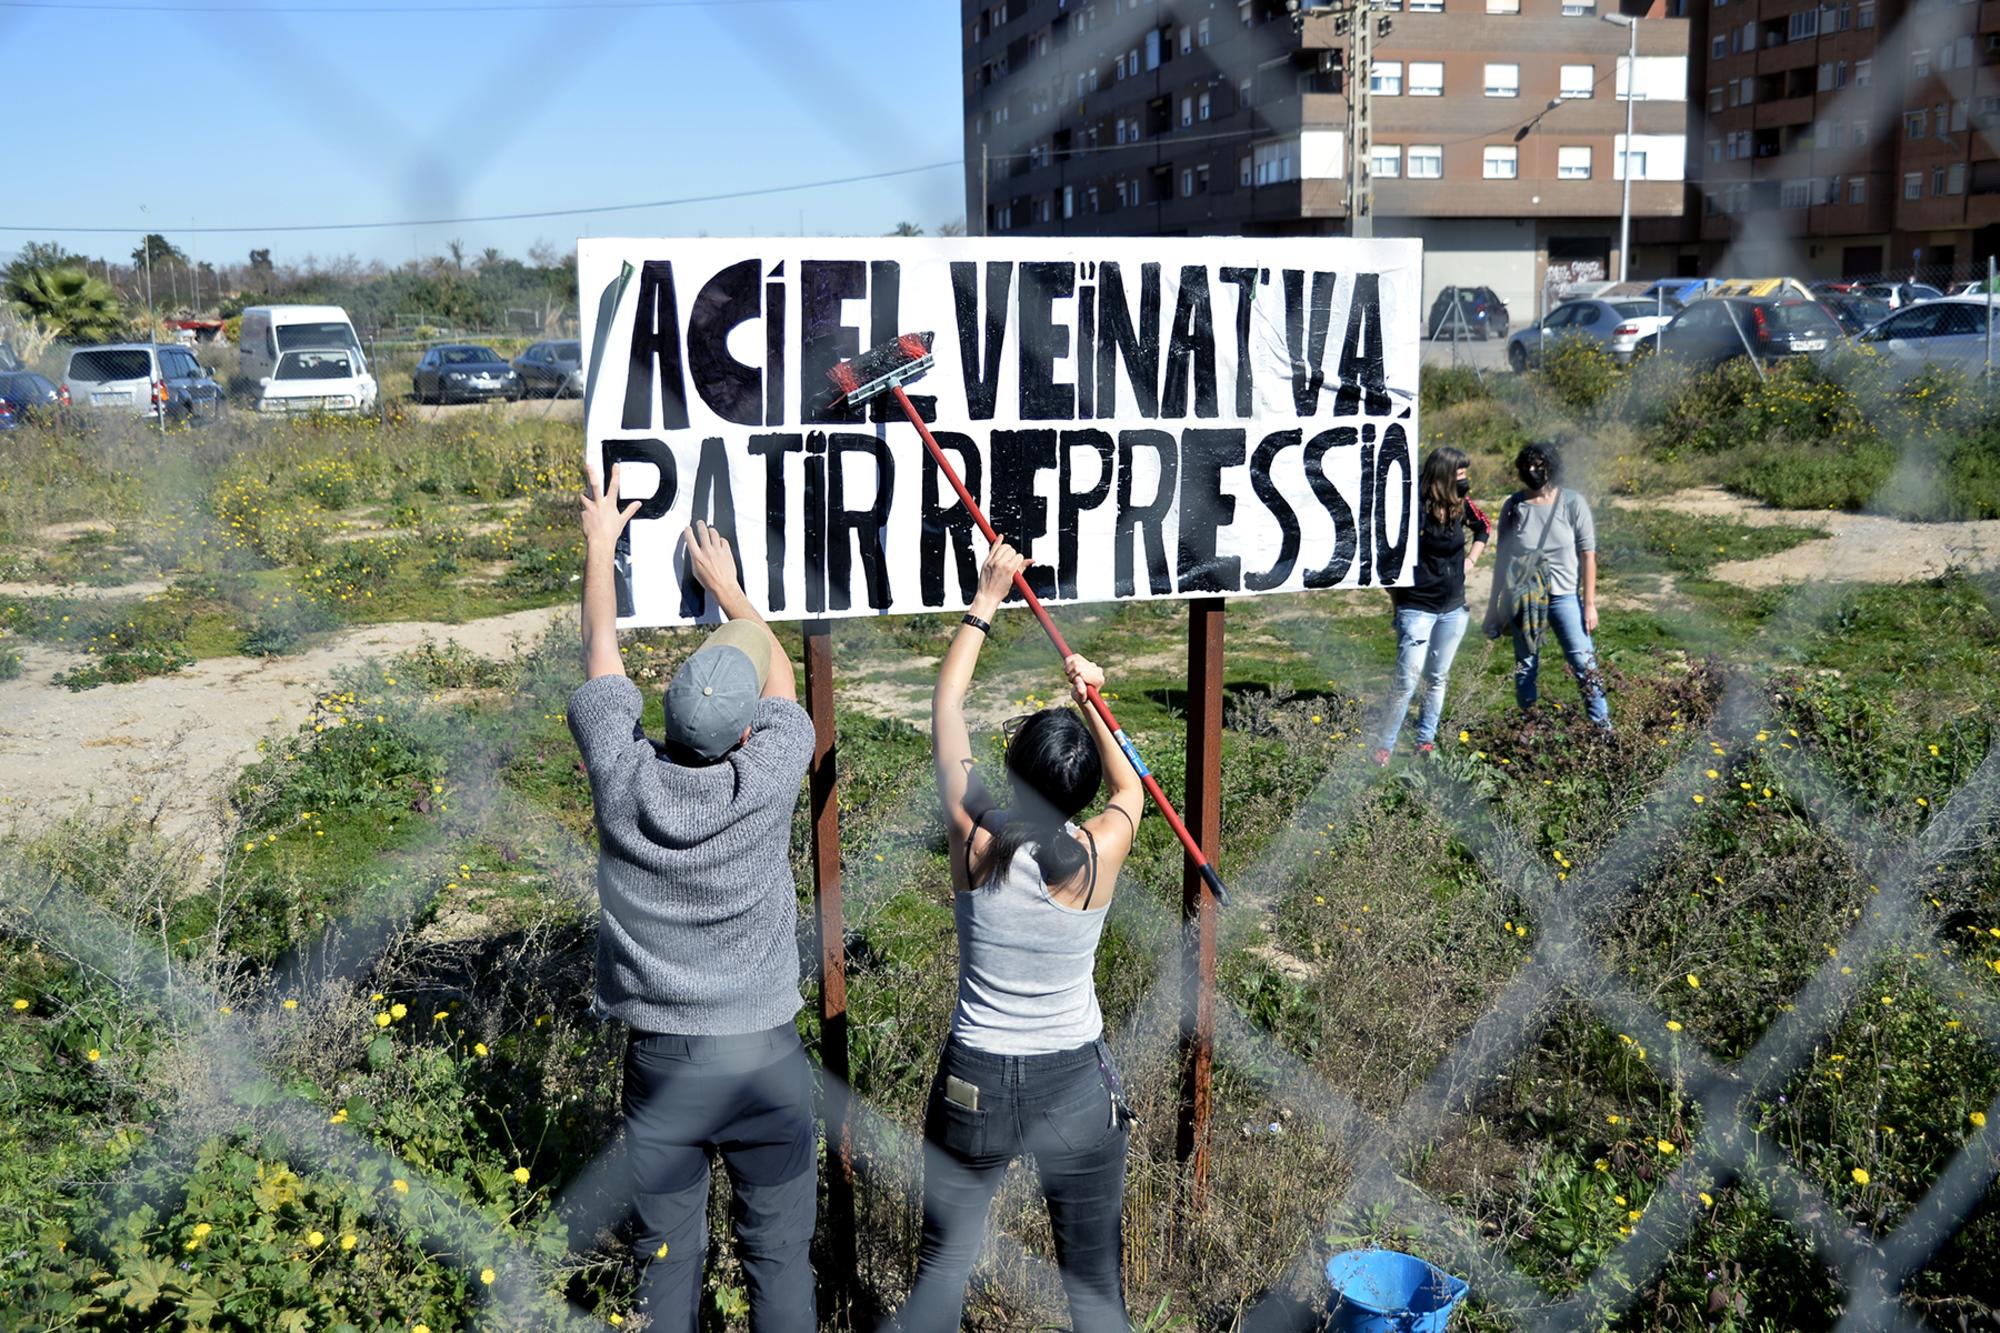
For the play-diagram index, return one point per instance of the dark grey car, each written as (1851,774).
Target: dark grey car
(552,368)
(464,372)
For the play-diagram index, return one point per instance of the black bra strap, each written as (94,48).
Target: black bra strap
(1091,891)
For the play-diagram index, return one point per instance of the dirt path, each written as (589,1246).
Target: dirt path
(1863,548)
(175,742)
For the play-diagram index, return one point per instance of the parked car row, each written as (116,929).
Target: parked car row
(1911,324)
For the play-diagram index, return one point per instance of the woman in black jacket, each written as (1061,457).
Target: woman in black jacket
(1430,614)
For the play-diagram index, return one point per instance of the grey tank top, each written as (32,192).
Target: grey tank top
(1025,965)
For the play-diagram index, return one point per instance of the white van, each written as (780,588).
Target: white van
(304,358)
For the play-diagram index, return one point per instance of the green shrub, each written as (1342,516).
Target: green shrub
(1447,386)
(1580,373)
(285,625)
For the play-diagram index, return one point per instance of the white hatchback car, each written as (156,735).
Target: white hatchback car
(317,379)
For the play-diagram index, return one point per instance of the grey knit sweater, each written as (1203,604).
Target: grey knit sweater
(698,933)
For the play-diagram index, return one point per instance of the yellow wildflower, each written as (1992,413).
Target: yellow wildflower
(315,1238)
(400,1185)
(486,1276)
(520,1175)
(1860,1176)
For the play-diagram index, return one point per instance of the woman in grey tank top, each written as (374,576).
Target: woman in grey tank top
(1025,1070)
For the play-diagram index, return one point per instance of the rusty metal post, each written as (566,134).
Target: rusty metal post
(1203,811)
(830,927)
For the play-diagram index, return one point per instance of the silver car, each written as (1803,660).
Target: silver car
(1624,328)
(149,380)
(1949,332)
(552,368)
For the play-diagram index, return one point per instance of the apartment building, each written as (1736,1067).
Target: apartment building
(1497,134)
(1846,139)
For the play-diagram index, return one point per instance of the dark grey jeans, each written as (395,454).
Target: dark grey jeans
(748,1097)
(1059,1108)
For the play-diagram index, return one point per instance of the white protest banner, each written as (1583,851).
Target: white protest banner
(1146,418)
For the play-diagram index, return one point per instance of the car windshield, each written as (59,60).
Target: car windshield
(316,364)
(334,333)
(467,356)
(100,367)
(567,351)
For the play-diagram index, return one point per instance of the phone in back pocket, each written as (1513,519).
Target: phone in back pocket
(960,1093)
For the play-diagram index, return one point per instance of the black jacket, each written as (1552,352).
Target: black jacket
(1439,573)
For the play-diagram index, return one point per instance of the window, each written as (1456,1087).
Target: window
(1579,9)
(1386,163)
(1795,194)
(1864,14)
(1634,161)
(1573,163)
(1503,80)
(1963,46)
(1201,179)
(1954,178)
(1937,181)
(1385,78)
(1920,64)
(1427,6)
(1201,33)
(1913,185)
(1153,49)
(1715,99)
(1501,163)
(1187,112)
(1243,171)
(1243,15)
(1718,47)
(1715,150)
(1187,39)
(1958,116)
(1857,190)
(1426,161)
(1914,124)
(1187,182)
(1069,201)
(1427,78)
(1858,132)
(1578,80)
(1276,162)
(1246,93)
(1503,6)
(1119,77)
(1864,73)
(1202,107)
(1946,57)
(1804,24)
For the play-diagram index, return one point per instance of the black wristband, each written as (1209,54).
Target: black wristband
(982,626)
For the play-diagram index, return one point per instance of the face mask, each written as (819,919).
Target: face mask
(1536,476)
(1463,485)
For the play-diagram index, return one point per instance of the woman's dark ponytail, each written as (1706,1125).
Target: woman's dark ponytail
(1056,770)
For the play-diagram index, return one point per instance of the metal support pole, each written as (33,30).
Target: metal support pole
(1989,323)
(985,176)
(831,929)
(1631,97)
(1204,806)
(1361,124)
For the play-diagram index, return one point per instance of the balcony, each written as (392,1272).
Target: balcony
(1785,56)
(1785,111)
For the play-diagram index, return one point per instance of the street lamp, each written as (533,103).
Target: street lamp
(1631,25)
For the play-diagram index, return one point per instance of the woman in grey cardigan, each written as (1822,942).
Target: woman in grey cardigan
(1551,523)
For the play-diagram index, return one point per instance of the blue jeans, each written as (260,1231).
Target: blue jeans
(1059,1108)
(748,1097)
(1566,623)
(1426,641)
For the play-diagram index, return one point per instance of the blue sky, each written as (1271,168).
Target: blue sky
(263,117)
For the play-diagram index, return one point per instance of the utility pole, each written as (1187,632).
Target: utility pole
(1361,23)
(985,176)
(1631,25)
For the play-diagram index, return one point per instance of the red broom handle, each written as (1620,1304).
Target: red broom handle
(1103,710)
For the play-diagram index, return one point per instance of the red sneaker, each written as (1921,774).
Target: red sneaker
(1382,758)
(1426,750)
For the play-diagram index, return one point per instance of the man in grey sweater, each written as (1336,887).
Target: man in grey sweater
(696,946)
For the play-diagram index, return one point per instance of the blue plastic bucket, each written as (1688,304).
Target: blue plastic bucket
(1382,1291)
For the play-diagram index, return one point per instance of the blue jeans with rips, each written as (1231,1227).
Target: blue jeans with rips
(1426,641)
(1566,623)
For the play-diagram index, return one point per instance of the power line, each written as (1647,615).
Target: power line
(515,217)
(516,6)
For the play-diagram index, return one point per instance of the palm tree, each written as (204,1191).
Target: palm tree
(78,307)
(907,229)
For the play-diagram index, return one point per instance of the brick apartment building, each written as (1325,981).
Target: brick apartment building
(1845,139)
(1192,117)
